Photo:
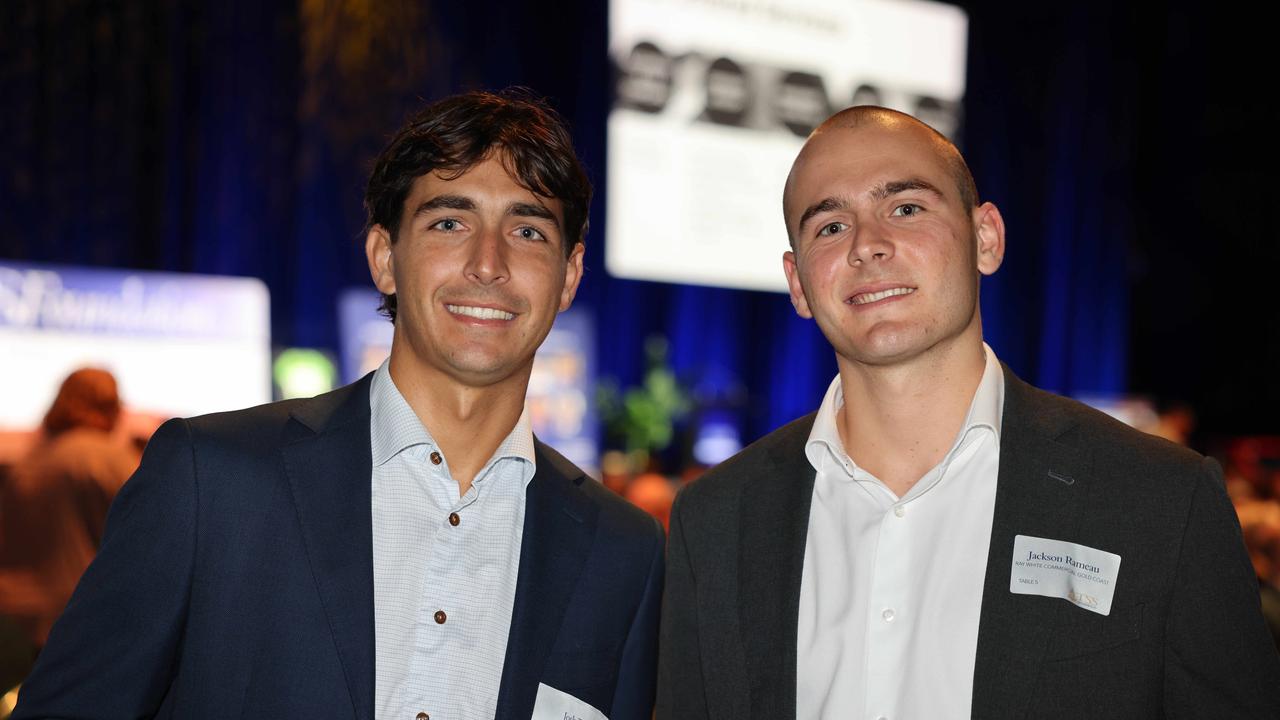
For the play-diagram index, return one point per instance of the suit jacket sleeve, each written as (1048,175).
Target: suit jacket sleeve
(1219,659)
(637,670)
(113,652)
(680,689)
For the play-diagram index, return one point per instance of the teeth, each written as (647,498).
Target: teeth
(865,298)
(480,312)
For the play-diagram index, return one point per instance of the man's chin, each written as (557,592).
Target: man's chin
(885,351)
(482,370)
(470,364)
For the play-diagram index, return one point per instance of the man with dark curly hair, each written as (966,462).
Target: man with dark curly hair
(402,547)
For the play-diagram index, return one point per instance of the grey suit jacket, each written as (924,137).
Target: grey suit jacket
(1184,639)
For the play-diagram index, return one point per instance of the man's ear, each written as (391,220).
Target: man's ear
(572,276)
(798,300)
(988,227)
(377,249)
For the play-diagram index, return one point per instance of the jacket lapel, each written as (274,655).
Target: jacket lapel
(1041,486)
(329,466)
(774,522)
(559,528)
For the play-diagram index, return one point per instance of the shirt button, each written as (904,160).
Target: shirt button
(887,615)
(424,716)
(441,617)
(454,519)
(899,511)
(435,458)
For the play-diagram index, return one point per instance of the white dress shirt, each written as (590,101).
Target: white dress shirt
(444,566)
(892,587)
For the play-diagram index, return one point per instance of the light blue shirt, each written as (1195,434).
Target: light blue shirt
(444,566)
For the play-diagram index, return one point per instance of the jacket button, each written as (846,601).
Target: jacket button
(435,458)
(454,519)
(422,716)
(441,617)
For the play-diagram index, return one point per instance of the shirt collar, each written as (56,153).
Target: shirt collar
(986,411)
(517,445)
(824,439)
(987,408)
(396,427)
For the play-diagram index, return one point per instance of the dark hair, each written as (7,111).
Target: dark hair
(87,398)
(454,134)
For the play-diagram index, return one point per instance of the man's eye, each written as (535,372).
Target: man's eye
(830,229)
(447,225)
(907,210)
(529,233)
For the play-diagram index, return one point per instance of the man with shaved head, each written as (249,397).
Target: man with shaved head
(940,539)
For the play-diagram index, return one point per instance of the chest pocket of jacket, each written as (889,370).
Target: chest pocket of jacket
(1091,633)
(589,675)
(580,668)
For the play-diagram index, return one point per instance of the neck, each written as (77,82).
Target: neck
(467,422)
(899,420)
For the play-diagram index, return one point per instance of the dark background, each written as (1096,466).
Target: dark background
(1129,152)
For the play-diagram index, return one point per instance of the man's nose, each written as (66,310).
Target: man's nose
(870,243)
(487,260)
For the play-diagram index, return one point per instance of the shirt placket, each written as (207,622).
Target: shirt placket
(889,602)
(890,612)
(887,616)
(441,619)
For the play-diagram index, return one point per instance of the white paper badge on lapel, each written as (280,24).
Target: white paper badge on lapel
(1079,574)
(553,704)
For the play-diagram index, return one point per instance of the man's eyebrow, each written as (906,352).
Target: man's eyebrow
(824,205)
(533,210)
(889,189)
(450,202)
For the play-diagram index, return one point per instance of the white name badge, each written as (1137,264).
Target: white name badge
(1078,574)
(553,704)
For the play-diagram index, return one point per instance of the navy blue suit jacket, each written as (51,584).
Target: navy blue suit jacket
(235,580)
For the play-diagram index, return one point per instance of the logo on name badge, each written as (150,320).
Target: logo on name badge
(1083,576)
(1084,599)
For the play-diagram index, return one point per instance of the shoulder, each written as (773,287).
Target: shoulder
(781,452)
(1144,461)
(247,427)
(615,516)
(261,430)
(84,448)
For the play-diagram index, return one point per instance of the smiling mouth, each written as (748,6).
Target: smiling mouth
(867,298)
(480,313)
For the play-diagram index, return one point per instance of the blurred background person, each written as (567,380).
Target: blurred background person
(1175,422)
(54,504)
(1260,523)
